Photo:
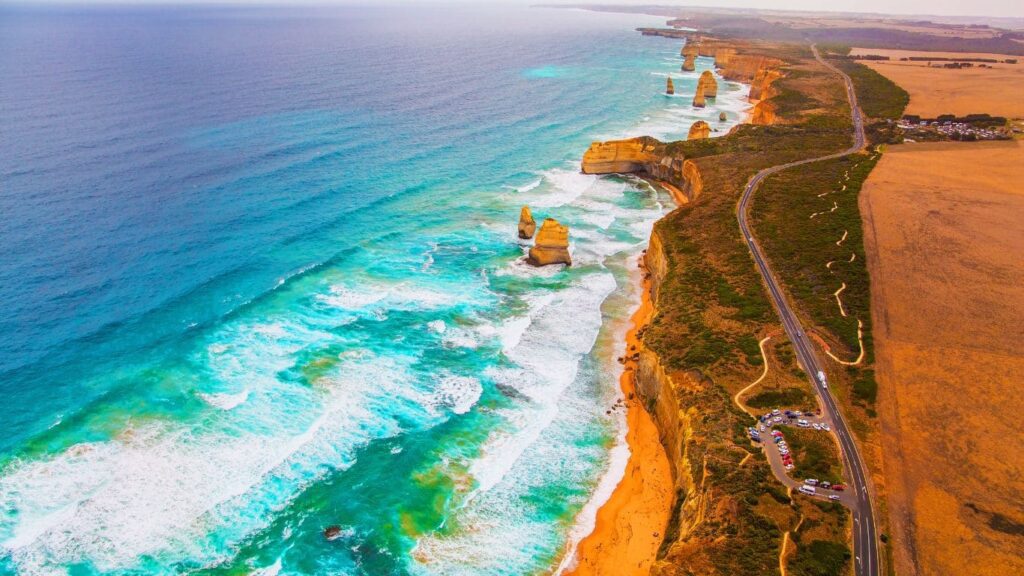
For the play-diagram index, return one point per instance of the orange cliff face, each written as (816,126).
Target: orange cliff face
(645,157)
(619,156)
(689,64)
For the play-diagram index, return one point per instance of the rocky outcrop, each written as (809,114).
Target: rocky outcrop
(722,117)
(551,246)
(708,83)
(648,158)
(620,156)
(763,114)
(761,84)
(527,226)
(698,98)
(689,64)
(669,87)
(699,129)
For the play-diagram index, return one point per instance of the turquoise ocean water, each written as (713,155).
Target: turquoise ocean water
(261,277)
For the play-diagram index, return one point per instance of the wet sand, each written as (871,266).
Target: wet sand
(630,525)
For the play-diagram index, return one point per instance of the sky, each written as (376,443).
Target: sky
(1004,8)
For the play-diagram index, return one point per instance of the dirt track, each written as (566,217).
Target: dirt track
(944,233)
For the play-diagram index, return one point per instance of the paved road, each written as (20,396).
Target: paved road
(865,540)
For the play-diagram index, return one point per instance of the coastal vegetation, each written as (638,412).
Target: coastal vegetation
(815,455)
(702,346)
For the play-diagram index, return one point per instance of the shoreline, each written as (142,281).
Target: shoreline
(630,524)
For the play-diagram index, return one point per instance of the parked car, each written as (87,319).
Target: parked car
(816,426)
(810,491)
(775,412)
(825,484)
(839,487)
(811,481)
(826,427)
(833,497)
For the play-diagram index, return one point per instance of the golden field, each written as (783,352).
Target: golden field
(944,240)
(998,91)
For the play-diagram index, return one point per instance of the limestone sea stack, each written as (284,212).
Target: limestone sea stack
(527,226)
(669,87)
(698,98)
(551,246)
(722,117)
(707,80)
(689,64)
(698,130)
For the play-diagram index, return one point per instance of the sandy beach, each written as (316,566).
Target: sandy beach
(630,525)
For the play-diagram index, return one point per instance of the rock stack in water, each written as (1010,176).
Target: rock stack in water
(689,65)
(551,246)
(527,226)
(707,80)
(698,130)
(669,87)
(722,117)
(698,98)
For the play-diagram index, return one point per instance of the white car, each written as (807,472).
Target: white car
(816,426)
(833,497)
(826,427)
(811,481)
(777,419)
(762,427)
(789,466)
(775,412)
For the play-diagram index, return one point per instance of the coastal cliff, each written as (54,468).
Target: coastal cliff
(729,514)
(648,158)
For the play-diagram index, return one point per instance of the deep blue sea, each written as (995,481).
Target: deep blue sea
(260,276)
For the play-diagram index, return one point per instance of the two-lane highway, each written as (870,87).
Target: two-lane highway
(865,541)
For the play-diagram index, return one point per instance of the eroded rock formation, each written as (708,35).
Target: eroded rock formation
(722,117)
(551,246)
(527,225)
(688,64)
(649,158)
(669,87)
(699,129)
(708,82)
(698,98)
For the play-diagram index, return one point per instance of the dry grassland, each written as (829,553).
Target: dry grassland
(998,91)
(944,234)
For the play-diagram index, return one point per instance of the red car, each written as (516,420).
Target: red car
(839,487)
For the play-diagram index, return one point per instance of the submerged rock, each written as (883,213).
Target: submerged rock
(670,88)
(551,246)
(698,130)
(332,532)
(527,225)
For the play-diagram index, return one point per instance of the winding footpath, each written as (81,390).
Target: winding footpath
(865,539)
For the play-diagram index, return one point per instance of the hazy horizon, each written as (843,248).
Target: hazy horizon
(940,8)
